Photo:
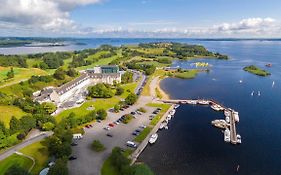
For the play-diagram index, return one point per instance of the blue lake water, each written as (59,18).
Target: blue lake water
(193,146)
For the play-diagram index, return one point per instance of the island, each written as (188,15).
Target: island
(256,70)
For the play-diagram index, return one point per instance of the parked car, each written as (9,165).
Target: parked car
(131,144)
(74,144)
(142,126)
(72,158)
(111,125)
(99,121)
(117,122)
(107,128)
(133,113)
(109,135)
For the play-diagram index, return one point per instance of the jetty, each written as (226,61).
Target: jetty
(233,117)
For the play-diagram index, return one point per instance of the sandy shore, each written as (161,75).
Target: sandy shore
(165,96)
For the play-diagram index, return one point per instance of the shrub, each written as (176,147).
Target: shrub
(128,118)
(97,146)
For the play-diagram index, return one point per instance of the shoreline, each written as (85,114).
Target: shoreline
(165,95)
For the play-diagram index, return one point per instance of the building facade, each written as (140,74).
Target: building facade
(89,77)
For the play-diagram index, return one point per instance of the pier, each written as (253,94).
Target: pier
(233,117)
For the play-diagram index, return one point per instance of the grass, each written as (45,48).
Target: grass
(256,70)
(164,109)
(130,87)
(6,113)
(20,75)
(40,153)
(35,150)
(12,160)
(158,93)
(143,134)
(82,110)
(187,74)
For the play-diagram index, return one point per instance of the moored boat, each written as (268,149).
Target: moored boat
(153,138)
(239,138)
(203,102)
(227,135)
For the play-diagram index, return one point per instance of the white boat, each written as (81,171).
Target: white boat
(192,102)
(239,138)
(166,127)
(169,117)
(203,102)
(227,135)
(216,107)
(241,81)
(252,94)
(153,138)
(227,119)
(176,106)
(162,125)
(227,113)
(236,116)
(273,83)
(259,93)
(172,112)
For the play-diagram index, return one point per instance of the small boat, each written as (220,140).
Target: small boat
(162,125)
(237,168)
(166,127)
(238,138)
(273,83)
(268,65)
(227,135)
(217,107)
(236,116)
(192,102)
(176,106)
(259,93)
(153,138)
(203,102)
(241,81)
(252,94)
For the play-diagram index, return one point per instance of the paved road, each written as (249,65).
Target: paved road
(23,144)
(90,162)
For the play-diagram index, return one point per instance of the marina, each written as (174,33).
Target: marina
(229,124)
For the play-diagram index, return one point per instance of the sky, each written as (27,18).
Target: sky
(141,18)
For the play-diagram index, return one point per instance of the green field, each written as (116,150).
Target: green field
(21,74)
(143,134)
(188,74)
(12,160)
(35,150)
(6,113)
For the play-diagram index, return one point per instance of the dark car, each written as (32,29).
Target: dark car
(135,133)
(99,121)
(72,158)
(159,109)
(109,135)
(74,144)
(133,113)
(138,130)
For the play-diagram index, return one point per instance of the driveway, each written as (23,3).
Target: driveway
(89,162)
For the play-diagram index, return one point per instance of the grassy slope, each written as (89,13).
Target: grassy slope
(6,113)
(20,74)
(35,150)
(14,159)
(39,153)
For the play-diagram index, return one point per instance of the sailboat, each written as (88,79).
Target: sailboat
(273,83)
(241,81)
(259,93)
(252,94)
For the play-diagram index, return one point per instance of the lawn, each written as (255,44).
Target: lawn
(35,150)
(12,160)
(159,72)
(82,110)
(6,113)
(130,87)
(143,134)
(20,74)
(188,74)
(164,109)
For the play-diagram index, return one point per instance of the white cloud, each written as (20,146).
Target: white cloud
(52,15)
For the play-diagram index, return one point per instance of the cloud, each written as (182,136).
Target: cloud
(52,15)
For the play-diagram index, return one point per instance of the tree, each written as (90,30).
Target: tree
(131,99)
(102,114)
(97,146)
(15,125)
(49,107)
(60,168)
(48,126)
(100,91)
(59,74)
(72,72)
(127,77)
(27,122)
(11,73)
(119,91)
(16,170)
(116,108)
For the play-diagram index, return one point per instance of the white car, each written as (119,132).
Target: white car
(143,126)
(131,144)
(107,128)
